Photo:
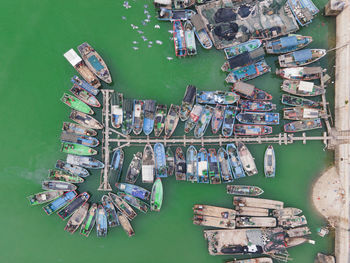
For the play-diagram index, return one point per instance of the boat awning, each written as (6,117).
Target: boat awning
(197,22)
(244,88)
(162,2)
(312,70)
(306,86)
(72,57)
(240,60)
(302,55)
(191,92)
(289,41)
(310,113)
(257,53)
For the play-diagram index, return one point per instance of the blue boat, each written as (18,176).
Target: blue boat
(71,168)
(165,14)
(191,164)
(134,190)
(59,202)
(117,164)
(248,46)
(73,206)
(287,44)
(79,139)
(301,57)
(203,121)
(179,39)
(225,168)
(111,213)
(260,118)
(229,121)
(85,85)
(200,32)
(216,97)
(101,222)
(235,163)
(117,110)
(159,153)
(150,111)
(131,200)
(213,167)
(202,166)
(303,10)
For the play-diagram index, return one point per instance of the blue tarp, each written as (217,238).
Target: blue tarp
(289,41)
(302,55)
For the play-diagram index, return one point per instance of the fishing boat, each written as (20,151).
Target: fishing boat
(101,222)
(89,221)
(170,161)
(297,101)
(217,119)
(77,218)
(64,176)
(217,97)
(250,92)
(287,44)
(77,129)
(148,164)
(191,164)
(128,116)
(44,197)
(269,162)
(229,121)
(124,222)
(131,200)
(60,202)
(300,73)
(134,190)
(286,212)
(95,62)
(248,46)
(83,84)
(304,125)
(181,4)
(179,39)
(303,11)
(200,32)
(244,190)
(213,167)
(180,165)
(203,121)
(194,117)
(202,164)
(248,72)
(252,260)
(138,116)
(249,105)
(159,154)
(161,113)
(190,38)
(251,130)
(235,162)
(73,206)
(79,139)
(262,118)
(117,110)
(111,213)
(85,96)
(242,60)
(116,165)
(134,168)
(57,185)
(165,14)
(301,113)
(292,221)
(247,159)
(77,149)
(302,88)
(85,120)
(75,60)
(72,169)
(224,164)
(301,57)
(76,104)
(156,195)
(171,121)
(84,161)
(187,102)
(122,206)
(148,122)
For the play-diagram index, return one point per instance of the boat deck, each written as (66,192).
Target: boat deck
(214,211)
(251,211)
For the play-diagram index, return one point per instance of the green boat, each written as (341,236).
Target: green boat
(64,176)
(77,149)
(157,195)
(44,197)
(89,221)
(76,104)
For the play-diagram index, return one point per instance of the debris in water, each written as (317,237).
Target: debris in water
(145,11)
(169,58)
(145,6)
(171,38)
(139,31)
(123,17)
(171,31)
(148,16)
(143,23)
(133,26)
(150,42)
(147,20)
(126,5)
(135,42)
(157,26)
(135,48)
(159,42)
(149,46)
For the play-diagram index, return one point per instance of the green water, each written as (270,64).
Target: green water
(34,75)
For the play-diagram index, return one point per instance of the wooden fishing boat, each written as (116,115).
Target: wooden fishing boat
(85,140)
(59,203)
(76,104)
(248,72)
(84,161)
(250,92)
(252,130)
(216,97)
(128,117)
(202,164)
(269,162)
(89,221)
(148,164)
(302,88)
(180,165)
(300,73)
(110,211)
(131,200)
(161,113)
(159,154)
(116,167)
(303,11)
(203,121)
(148,121)
(85,120)
(242,60)
(179,39)
(191,164)
(301,113)
(134,190)
(190,38)
(75,60)
(57,185)
(229,121)
(218,118)
(249,105)
(247,159)
(305,125)
(101,222)
(298,232)
(235,162)
(287,44)
(83,84)
(194,117)
(224,164)
(292,221)
(171,121)
(286,212)
(262,118)
(203,220)
(122,206)
(213,167)
(75,128)
(134,168)
(138,116)
(73,206)
(124,222)
(252,260)
(248,190)
(95,62)
(44,197)
(243,47)
(117,110)
(85,96)
(165,14)
(297,101)
(64,176)
(301,57)
(187,102)
(170,161)
(253,202)
(77,218)
(156,195)
(255,221)
(78,149)
(200,32)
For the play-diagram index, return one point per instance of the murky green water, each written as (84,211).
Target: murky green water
(33,77)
